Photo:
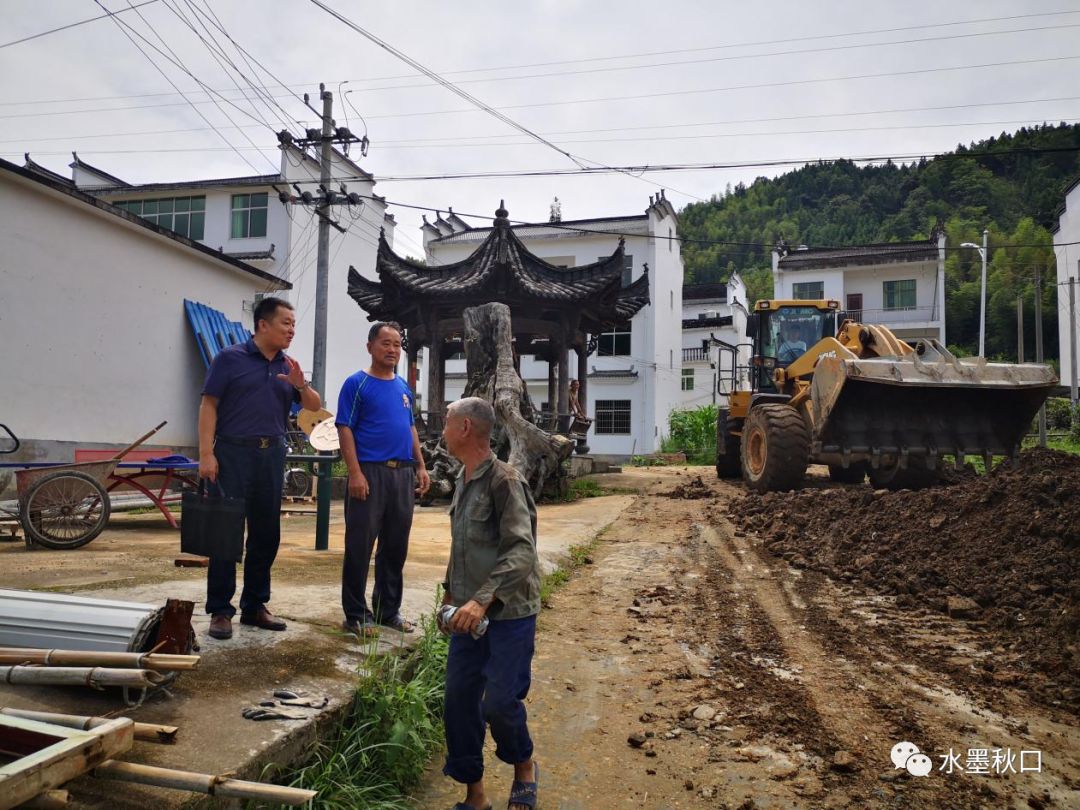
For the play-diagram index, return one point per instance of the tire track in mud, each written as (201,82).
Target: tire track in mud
(889,676)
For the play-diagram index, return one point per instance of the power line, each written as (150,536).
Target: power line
(592,59)
(246,55)
(602,99)
(386,46)
(124,29)
(74,25)
(737,57)
(759,86)
(384,143)
(221,60)
(435,77)
(659,237)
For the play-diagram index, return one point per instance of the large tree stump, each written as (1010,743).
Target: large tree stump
(489,362)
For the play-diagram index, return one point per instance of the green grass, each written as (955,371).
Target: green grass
(579,555)
(381,747)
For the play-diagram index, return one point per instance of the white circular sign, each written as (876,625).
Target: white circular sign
(324,436)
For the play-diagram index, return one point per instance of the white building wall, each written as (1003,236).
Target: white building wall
(926,318)
(1068,267)
(292,230)
(346,323)
(96,345)
(655,343)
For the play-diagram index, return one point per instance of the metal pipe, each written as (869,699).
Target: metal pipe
(202,783)
(94,677)
(159,662)
(147,732)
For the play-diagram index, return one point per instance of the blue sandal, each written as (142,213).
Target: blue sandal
(525,793)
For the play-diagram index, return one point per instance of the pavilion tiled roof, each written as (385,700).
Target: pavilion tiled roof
(501,269)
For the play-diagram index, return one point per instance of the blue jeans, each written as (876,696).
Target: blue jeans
(487,680)
(256,475)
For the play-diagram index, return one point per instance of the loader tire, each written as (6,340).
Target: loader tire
(775,448)
(854,474)
(729,462)
(912,477)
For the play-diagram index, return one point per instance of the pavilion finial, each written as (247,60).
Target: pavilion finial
(501,215)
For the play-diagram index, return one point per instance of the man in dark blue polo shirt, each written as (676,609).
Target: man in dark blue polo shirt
(246,399)
(381,450)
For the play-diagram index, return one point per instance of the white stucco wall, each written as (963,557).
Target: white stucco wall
(96,345)
(927,318)
(656,339)
(292,230)
(1068,259)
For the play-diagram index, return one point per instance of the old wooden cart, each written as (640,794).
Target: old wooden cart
(63,505)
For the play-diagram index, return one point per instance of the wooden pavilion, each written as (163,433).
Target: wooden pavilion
(553,309)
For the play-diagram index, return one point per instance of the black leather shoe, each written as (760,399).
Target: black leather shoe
(262,618)
(221,626)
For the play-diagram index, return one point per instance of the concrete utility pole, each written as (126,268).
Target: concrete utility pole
(1072,332)
(1039,348)
(1020,328)
(322,266)
(982,300)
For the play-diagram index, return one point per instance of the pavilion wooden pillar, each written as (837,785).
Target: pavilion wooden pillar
(436,381)
(553,396)
(411,354)
(583,375)
(563,423)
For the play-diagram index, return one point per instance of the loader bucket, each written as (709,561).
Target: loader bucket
(926,404)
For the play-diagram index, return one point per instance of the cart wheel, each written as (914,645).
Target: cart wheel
(297,482)
(66,509)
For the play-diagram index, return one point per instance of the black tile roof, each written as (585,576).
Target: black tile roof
(70,190)
(701,292)
(884,253)
(706,323)
(500,269)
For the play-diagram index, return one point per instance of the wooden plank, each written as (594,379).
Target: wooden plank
(75,753)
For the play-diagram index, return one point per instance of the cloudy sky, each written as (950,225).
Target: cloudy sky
(614,84)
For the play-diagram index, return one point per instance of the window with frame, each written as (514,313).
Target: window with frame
(248,216)
(615,343)
(808,290)
(185,215)
(612,417)
(687,379)
(899,294)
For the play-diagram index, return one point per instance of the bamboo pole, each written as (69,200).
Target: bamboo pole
(94,677)
(49,800)
(159,662)
(147,732)
(119,456)
(202,783)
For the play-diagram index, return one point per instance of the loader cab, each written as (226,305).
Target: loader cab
(783,331)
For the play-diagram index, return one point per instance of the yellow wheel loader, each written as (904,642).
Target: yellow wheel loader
(823,389)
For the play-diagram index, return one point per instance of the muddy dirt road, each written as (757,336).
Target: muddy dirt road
(687,666)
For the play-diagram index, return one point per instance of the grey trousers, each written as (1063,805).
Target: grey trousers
(384,517)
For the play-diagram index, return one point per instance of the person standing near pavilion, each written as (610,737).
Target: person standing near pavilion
(249,391)
(381,449)
(494,575)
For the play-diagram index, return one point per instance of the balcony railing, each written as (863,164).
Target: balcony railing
(888,317)
(694,355)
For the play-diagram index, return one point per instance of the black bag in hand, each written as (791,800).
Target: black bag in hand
(212,525)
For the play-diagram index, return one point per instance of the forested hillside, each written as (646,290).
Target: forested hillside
(1013,191)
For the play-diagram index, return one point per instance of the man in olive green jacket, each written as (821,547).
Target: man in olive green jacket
(493,573)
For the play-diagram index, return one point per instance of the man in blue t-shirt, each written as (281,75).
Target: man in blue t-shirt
(382,453)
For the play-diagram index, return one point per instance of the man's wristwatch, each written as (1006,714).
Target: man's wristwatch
(302,387)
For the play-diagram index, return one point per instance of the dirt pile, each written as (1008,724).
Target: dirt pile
(691,490)
(1003,550)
